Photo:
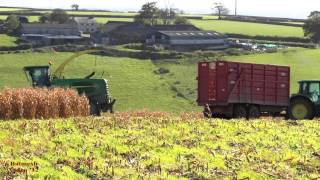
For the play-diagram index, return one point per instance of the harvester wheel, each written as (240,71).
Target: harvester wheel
(254,112)
(301,108)
(240,111)
(95,109)
(207,111)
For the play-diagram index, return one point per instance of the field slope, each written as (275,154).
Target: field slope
(7,41)
(133,82)
(304,64)
(156,145)
(247,28)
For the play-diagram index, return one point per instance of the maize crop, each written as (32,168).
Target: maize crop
(40,103)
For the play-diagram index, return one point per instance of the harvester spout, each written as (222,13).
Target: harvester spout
(90,75)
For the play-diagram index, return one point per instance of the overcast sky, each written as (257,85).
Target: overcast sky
(276,8)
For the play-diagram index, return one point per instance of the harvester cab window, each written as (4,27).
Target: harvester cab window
(40,77)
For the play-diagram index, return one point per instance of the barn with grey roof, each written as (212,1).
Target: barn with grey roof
(189,40)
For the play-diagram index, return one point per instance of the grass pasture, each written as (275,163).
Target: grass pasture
(30,18)
(10,9)
(7,41)
(105,20)
(102,13)
(136,85)
(156,145)
(304,65)
(132,82)
(247,28)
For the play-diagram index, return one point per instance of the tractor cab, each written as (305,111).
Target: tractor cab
(310,89)
(39,75)
(306,103)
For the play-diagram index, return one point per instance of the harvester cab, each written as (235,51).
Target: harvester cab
(38,75)
(306,103)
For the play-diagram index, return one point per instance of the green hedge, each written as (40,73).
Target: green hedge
(270,38)
(263,22)
(15,48)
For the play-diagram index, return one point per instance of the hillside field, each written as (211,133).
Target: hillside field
(10,9)
(304,65)
(248,28)
(209,22)
(133,82)
(157,145)
(136,84)
(7,41)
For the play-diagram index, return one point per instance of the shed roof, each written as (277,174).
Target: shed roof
(193,34)
(48,36)
(84,20)
(47,25)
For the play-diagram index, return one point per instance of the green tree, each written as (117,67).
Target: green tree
(75,7)
(44,18)
(312,26)
(148,15)
(167,15)
(181,20)
(13,23)
(57,16)
(220,9)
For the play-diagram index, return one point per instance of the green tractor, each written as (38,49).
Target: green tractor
(306,103)
(96,90)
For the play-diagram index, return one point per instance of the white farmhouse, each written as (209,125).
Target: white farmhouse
(86,24)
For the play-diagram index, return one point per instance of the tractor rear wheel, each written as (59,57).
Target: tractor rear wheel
(240,111)
(254,112)
(301,108)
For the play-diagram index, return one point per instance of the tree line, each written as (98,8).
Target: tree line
(150,14)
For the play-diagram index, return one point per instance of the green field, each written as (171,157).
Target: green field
(3,17)
(248,28)
(133,82)
(304,64)
(30,18)
(209,22)
(7,41)
(102,13)
(10,9)
(105,20)
(146,145)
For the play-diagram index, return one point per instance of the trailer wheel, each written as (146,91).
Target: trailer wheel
(207,111)
(301,108)
(254,112)
(240,111)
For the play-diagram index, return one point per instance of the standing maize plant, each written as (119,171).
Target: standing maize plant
(17,103)
(5,104)
(30,103)
(42,103)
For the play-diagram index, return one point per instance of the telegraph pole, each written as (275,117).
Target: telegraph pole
(235,7)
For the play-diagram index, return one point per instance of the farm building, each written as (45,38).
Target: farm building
(100,37)
(128,32)
(50,34)
(86,24)
(189,40)
(52,29)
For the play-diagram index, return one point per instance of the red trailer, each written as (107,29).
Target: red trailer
(242,90)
